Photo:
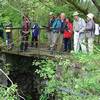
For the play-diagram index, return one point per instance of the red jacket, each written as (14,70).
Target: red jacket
(68,34)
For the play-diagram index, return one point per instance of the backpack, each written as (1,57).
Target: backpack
(93,27)
(56,25)
(50,23)
(64,27)
(97,29)
(35,29)
(8,27)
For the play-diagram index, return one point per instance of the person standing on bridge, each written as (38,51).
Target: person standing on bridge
(49,26)
(68,35)
(62,28)
(9,37)
(79,34)
(35,35)
(25,33)
(90,32)
(55,32)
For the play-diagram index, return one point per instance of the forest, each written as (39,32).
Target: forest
(67,77)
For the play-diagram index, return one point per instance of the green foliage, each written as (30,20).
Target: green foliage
(28,97)
(47,68)
(76,77)
(8,93)
(38,9)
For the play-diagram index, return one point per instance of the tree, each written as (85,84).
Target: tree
(85,6)
(38,9)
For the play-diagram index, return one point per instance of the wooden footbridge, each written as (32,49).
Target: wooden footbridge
(41,51)
(32,52)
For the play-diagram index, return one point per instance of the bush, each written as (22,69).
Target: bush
(73,78)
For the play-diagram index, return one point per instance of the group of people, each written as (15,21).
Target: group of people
(60,32)
(59,28)
(24,34)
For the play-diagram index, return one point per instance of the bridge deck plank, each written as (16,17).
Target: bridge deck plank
(35,52)
(29,53)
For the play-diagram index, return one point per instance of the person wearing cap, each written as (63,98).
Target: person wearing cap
(9,37)
(90,30)
(49,30)
(79,34)
(55,33)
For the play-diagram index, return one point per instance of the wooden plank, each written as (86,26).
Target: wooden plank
(36,52)
(30,53)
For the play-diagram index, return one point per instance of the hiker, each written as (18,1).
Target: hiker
(25,33)
(9,37)
(67,35)
(35,35)
(49,26)
(55,32)
(79,34)
(90,32)
(2,31)
(62,28)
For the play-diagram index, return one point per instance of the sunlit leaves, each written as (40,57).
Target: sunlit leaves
(8,93)
(85,86)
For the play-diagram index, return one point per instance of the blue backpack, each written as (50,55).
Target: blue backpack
(35,30)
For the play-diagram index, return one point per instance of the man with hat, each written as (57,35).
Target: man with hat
(79,35)
(49,28)
(90,30)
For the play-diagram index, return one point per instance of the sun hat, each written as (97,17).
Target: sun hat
(51,13)
(90,15)
(75,13)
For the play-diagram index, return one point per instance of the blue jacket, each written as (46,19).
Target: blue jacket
(56,26)
(35,30)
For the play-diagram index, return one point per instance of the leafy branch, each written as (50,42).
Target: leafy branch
(11,83)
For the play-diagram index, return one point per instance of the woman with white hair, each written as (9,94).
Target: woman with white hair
(90,30)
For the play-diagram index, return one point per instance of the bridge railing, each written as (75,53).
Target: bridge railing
(16,38)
